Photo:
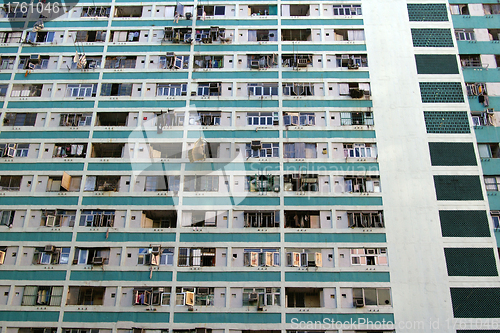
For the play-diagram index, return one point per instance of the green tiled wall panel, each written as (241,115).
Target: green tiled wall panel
(487,134)
(339,318)
(228,317)
(231,237)
(475,302)
(60,49)
(157,104)
(33,275)
(29,316)
(337,277)
(35,236)
(39,201)
(255,167)
(57,76)
(432,37)
(441,92)
(481,75)
(470,262)
(103,275)
(165,75)
(333,201)
(452,153)
(464,223)
(133,166)
(448,122)
(458,188)
(334,238)
(494,200)
(5,76)
(427,12)
(50,104)
(358,74)
(230,134)
(239,201)
(497,236)
(44,135)
(41,166)
(129,201)
(228,276)
(306,167)
(347,134)
(138,134)
(11,25)
(436,64)
(345,103)
(113,317)
(156,237)
(215,103)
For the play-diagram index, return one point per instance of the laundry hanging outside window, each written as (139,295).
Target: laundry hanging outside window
(80,60)
(197,153)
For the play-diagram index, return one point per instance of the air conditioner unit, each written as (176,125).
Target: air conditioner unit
(490,110)
(302,62)
(34,57)
(256,145)
(50,221)
(97,261)
(371,251)
(359,302)
(345,56)
(254,64)
(49,248)
(253,297)
(155,249)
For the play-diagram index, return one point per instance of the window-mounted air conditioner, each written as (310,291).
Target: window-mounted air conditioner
(359,302)
(49,248)
(155,249)
(34,57)
(97,261)
(256,145)
(253,297)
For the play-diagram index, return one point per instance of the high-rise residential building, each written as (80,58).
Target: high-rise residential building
(249,166)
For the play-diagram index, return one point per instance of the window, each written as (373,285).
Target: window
(262,118)
(298,89)
(371,296)
(202,218)
(7,217)
(162,183)
(205,118)
(476,89)
(300,150)
(261,297)
(347,10)
(365,219)
(351,61)
(11,36)
(491,9)
(492,183)
(75,119)
(91,256)
(203,183)
(196,257)
(3,90)
(155,256)
(209,89)
(299,119)
(302,219)
(208,62)
(33,90)
(97,218)
(368,257)
(361,184)
(262,219)
(356,118)
(10,183)
(263,89)
(461,9)
(42,295)
(14,149)
(81,90)
(262,150)
(174,62)
(50,255)
(116,89)
(40,37)
(304,259)
(360,150)
(121,62)
(97,11)
(262,183)
(301,182)
(465,34)
(152,296)
(195,296)
(69,150)
(171,90)
(261,257)
(495,217)
(58,218)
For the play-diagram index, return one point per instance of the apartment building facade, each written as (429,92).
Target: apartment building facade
(245,167)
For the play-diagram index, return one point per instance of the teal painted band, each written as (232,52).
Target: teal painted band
(231,134)
(130,75)
(50,105)
(33,276)
(347,134)
(67,166)
(242,237)
(39,201)
(333,201)
(133,166)
(341,318)
(251,166)
(218,201)
(44,135)
(125,237)
(156,104)
(337,277)
(129,201)
(229,318)
(114,317)
(228,276)
(35,236)
(29,316)
(335,238)
(103,275)
(348,167)
(137,134)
